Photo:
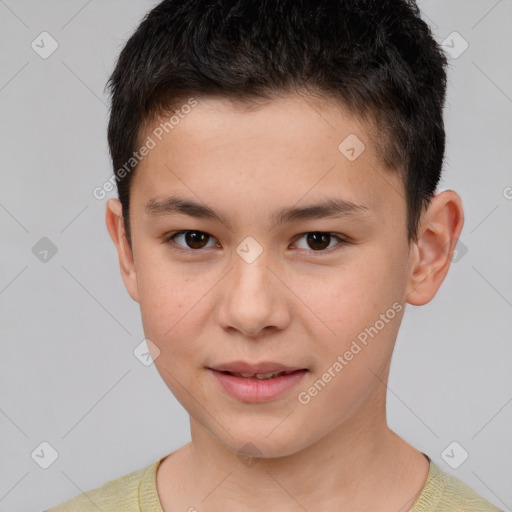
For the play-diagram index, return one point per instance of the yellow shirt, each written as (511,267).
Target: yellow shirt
(136,492)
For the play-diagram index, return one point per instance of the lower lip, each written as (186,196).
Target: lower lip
(257,390)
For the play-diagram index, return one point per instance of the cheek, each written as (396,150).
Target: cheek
(171,316)
(167,294)
(359,304)
(353,295)
(170,309)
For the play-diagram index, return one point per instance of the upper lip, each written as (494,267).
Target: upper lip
(263,367)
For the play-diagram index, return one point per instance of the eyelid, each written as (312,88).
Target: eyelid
(342,240)
(169,238)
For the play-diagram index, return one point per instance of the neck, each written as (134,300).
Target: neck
(360,465)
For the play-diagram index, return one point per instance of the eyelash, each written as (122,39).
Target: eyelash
(169,238)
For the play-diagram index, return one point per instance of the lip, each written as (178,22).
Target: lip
(254,390)
(263,367)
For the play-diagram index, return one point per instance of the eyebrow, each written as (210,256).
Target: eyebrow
(331,207)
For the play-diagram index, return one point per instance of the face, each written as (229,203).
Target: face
(284,246)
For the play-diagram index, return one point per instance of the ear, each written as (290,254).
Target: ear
(431,254)
(116,228)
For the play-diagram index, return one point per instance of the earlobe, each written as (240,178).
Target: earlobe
(116,228)
(438,234)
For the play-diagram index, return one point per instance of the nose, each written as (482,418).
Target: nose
(254,299)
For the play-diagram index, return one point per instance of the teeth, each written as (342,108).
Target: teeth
(260,376)
(268,375)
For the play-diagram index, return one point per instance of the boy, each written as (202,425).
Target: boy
(276,164)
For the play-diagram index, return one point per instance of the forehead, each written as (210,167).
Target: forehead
(290,149)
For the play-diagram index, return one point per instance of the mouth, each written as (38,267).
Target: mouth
(261,376)
(243,368)
(257,383)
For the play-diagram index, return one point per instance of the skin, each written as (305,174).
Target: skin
(294,304)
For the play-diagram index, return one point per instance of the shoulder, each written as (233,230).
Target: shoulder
(445,493)
(119,494)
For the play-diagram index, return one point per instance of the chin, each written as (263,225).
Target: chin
(262,440)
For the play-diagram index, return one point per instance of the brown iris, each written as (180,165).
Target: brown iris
(318,238)
(196,239)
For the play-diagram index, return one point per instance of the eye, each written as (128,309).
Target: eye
(320,240)
(194,239)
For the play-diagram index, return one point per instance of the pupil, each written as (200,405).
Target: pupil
(322,238)
(195,237)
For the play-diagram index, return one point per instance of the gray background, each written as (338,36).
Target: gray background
(68,374)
